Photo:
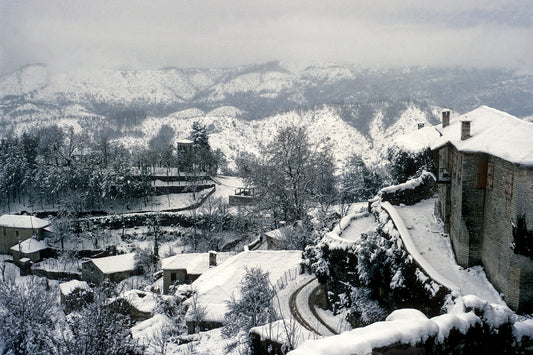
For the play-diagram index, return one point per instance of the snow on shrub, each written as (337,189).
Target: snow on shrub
(377,261)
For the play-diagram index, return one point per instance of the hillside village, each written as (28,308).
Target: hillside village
(435,258)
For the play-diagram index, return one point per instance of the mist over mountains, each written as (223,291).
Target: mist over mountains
(244,104)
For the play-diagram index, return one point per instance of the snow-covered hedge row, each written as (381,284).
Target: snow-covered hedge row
(334,239)
(410,192)
(471,326)
(379,262)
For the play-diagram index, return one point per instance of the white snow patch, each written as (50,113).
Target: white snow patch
(216,286)
(433,248)
(28,222)
(116,263)
(30,245)
(68,287)
(407,329)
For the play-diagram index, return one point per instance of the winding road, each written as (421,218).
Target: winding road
(304,311)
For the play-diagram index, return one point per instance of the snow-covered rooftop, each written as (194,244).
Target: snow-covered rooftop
(116,263)
(194,263)
(143,301)
(418,140)
(280,233)
(493,132)
(216,286)
(68,287)
(30,245)
(29,222)
(184,141)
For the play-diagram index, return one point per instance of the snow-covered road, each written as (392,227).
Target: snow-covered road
(435,247)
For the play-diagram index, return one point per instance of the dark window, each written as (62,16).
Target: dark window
(490,174)
(17,233)
(482,175)
(509,184)
(172,276)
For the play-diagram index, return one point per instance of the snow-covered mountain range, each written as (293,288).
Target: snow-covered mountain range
(354,110)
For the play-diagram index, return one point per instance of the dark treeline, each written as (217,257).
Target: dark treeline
(75,172)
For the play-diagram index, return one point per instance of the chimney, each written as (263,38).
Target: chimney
(212,258)
(445,118)
(465,129)
(420,125)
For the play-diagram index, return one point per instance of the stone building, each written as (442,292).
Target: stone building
(15,229)
(31,249)
(112,268)
(485,160)
(185,268)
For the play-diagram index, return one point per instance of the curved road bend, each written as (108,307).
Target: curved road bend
(304,312)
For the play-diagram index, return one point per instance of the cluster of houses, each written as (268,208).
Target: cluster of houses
(485,163)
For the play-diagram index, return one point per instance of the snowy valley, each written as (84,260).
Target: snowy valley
(255,210)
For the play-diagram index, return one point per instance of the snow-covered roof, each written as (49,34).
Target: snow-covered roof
(30,245)
(216,286)
(116,263)
(147,330)
(279,233)
(184,141)
(194,263)
(494,132)
(143,301)
(418,140)
(28,222)
(68,287)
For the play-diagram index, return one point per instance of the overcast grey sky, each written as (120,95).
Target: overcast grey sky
(132,34)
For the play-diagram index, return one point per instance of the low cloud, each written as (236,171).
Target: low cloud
(123,34)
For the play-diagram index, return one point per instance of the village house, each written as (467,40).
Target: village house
(15,229)
(242,196)
(279,238)
(112,268)
(217,286)
(184,146)
(485,162)
(186,268)
(31,250)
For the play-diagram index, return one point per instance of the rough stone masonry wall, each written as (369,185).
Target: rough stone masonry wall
(511,274)
(467,208)
(524,205)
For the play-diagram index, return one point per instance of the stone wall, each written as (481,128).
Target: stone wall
(482,207)
(467,208)
(180,278)
(410,192)
(11,236)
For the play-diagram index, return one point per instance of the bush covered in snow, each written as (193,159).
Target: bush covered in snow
(411,191)
(255,306)
(378,262)
(407,165)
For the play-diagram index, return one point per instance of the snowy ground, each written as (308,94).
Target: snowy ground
(358,226)
(224,186)
(337,322)
(435,247)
